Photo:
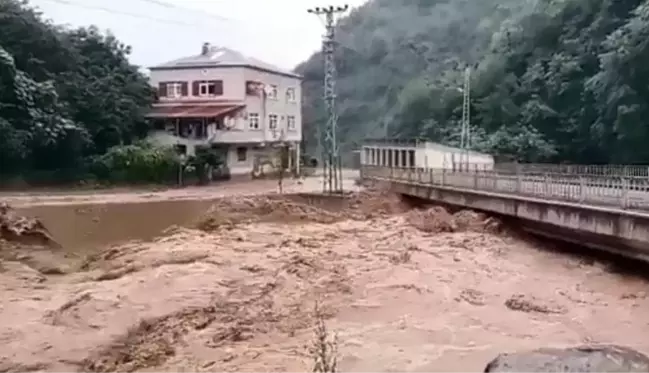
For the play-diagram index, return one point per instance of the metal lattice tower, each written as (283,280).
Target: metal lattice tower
(465,136)
(331,161)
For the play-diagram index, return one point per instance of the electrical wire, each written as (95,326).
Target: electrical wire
(121,12)
(202,26)
(167,5)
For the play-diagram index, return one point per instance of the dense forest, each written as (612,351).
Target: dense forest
(553,80)
(71,104)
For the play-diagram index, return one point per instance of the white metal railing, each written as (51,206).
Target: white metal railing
(625,192)
(578,169)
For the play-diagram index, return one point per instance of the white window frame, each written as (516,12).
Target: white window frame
(273,121)
(253,121)
(273,92)
(206,86)
(174,90)
(290,95)
(290,122)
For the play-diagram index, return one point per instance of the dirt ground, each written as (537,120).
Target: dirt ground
(194,193)
(232,286)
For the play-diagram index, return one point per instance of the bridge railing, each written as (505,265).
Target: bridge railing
(577,169)
(618,191)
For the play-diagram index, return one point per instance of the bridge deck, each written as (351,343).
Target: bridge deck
(628,193)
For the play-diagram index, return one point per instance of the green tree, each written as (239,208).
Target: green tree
(554,80)
(65,95)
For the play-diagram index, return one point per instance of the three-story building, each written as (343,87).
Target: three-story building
(221,98)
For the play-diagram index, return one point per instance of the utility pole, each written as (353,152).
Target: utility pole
(331,161)
(465,136)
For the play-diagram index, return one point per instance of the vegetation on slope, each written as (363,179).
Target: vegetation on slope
(554,80)
(67,96)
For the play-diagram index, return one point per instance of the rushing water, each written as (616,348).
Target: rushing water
(239,298)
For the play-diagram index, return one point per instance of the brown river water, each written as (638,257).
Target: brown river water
(220,281)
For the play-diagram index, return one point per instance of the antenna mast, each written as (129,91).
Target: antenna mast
(331,161)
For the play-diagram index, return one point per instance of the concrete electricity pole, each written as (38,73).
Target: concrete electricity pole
(331,161)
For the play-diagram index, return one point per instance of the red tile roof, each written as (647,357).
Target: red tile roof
(192,111)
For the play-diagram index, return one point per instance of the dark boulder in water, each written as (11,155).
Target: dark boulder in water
(605,358)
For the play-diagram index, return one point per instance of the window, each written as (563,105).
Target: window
(242,154)
(205,88)
(174,89)
(253,88)
(290,95)
(272,94)
(253,121)
(290,122)
(181,149)
(272,121)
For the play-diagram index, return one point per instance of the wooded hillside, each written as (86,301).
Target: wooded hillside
(66,96)
(554,80)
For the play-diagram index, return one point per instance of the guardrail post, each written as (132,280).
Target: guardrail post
(475,180)
(519,182)
(547,190)
(582,189)
(625,193)
(443,176)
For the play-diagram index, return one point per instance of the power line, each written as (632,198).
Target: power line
(121,12)
(203,26)
(165,4)
(164,20)
(331,161)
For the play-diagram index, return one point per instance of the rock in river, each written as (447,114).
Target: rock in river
(606,358)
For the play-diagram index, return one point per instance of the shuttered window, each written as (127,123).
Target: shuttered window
(207,88)
(173,89)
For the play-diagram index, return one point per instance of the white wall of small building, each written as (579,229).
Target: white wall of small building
(429,155)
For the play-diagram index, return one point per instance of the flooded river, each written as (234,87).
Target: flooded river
(222,283)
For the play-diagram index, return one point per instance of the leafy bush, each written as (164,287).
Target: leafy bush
(138,163)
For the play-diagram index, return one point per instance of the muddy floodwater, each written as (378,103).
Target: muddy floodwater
(227,282)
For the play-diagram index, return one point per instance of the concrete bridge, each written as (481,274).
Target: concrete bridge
(607,210)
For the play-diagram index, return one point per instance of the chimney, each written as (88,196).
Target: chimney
(206,49)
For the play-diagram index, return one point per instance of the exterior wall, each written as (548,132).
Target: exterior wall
(164,138)
(232,77)
(234,89)
(390,155)
(439,156)
(427,156)
(246,167)
(237,167)
(280,106)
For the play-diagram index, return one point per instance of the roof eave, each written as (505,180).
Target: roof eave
(208,66)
